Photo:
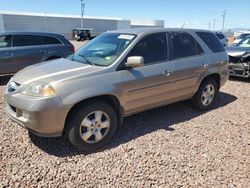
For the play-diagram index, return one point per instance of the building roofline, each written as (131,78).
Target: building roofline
(58,15)
(74,16)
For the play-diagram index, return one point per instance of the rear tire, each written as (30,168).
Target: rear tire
(206,95)
(91,126)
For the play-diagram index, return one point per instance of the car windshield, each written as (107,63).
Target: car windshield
(242,36)
(244,42)
(103,50)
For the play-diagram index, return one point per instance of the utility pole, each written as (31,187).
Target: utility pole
(223,19)
(209,25)
(82,12)
(214,23)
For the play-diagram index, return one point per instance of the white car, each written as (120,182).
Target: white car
(223,39)
(240,37)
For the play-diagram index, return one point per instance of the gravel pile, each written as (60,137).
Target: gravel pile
(172,146)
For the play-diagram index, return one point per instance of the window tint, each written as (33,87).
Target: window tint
(220,36)
(153,48)
(212,41)
(26,40)
(5,41)
(184,45)
(50,40)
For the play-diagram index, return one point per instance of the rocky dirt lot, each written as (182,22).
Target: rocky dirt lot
(172,146)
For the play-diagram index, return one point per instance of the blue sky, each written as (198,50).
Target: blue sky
(194,13)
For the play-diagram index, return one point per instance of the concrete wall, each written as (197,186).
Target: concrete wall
(135,23)
(64,24)
(2,27)
(57,24)
(123,24)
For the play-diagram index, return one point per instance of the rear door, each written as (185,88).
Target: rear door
(7,55)
(150,85)
(52,48)
(28,50)
(189,62)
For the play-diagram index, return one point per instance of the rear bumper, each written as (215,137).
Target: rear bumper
(44,117)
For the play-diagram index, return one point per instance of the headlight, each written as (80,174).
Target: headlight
(38,90)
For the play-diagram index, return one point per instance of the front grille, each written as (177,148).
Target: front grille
(12,86)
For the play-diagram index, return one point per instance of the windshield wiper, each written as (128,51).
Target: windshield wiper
(86,59)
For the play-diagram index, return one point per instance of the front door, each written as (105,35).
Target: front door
(150,85)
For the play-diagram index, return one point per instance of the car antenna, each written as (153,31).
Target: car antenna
(183,25)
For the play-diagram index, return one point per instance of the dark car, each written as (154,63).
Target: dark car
(21,49)
(85,34)
(239,56)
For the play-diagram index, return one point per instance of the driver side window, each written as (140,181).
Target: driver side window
(153,48)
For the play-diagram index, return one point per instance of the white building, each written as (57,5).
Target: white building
(63,24)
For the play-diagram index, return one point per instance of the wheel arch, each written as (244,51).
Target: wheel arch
(108,98)
(215,76)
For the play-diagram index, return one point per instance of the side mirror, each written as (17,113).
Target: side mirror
(135,61)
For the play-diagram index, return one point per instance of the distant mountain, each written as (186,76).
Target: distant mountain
(237,29)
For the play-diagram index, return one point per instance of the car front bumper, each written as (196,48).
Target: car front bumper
(240,69)
(45,117)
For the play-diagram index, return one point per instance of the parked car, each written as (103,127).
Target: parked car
(223,39)
(117,74)
(85,34)
(239,58)
(21,49)
(240,37)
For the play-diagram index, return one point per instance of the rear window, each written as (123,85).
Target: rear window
(212,41)
(50,40)
(220,36)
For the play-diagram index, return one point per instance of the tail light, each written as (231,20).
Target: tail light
(72,49)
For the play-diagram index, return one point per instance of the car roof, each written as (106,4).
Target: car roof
(29,33)
(145,30)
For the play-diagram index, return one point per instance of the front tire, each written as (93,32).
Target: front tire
(206,96)
(91,126)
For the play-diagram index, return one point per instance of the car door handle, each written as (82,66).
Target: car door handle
(167,73)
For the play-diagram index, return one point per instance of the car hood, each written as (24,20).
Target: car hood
(236,51)
(54,70)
